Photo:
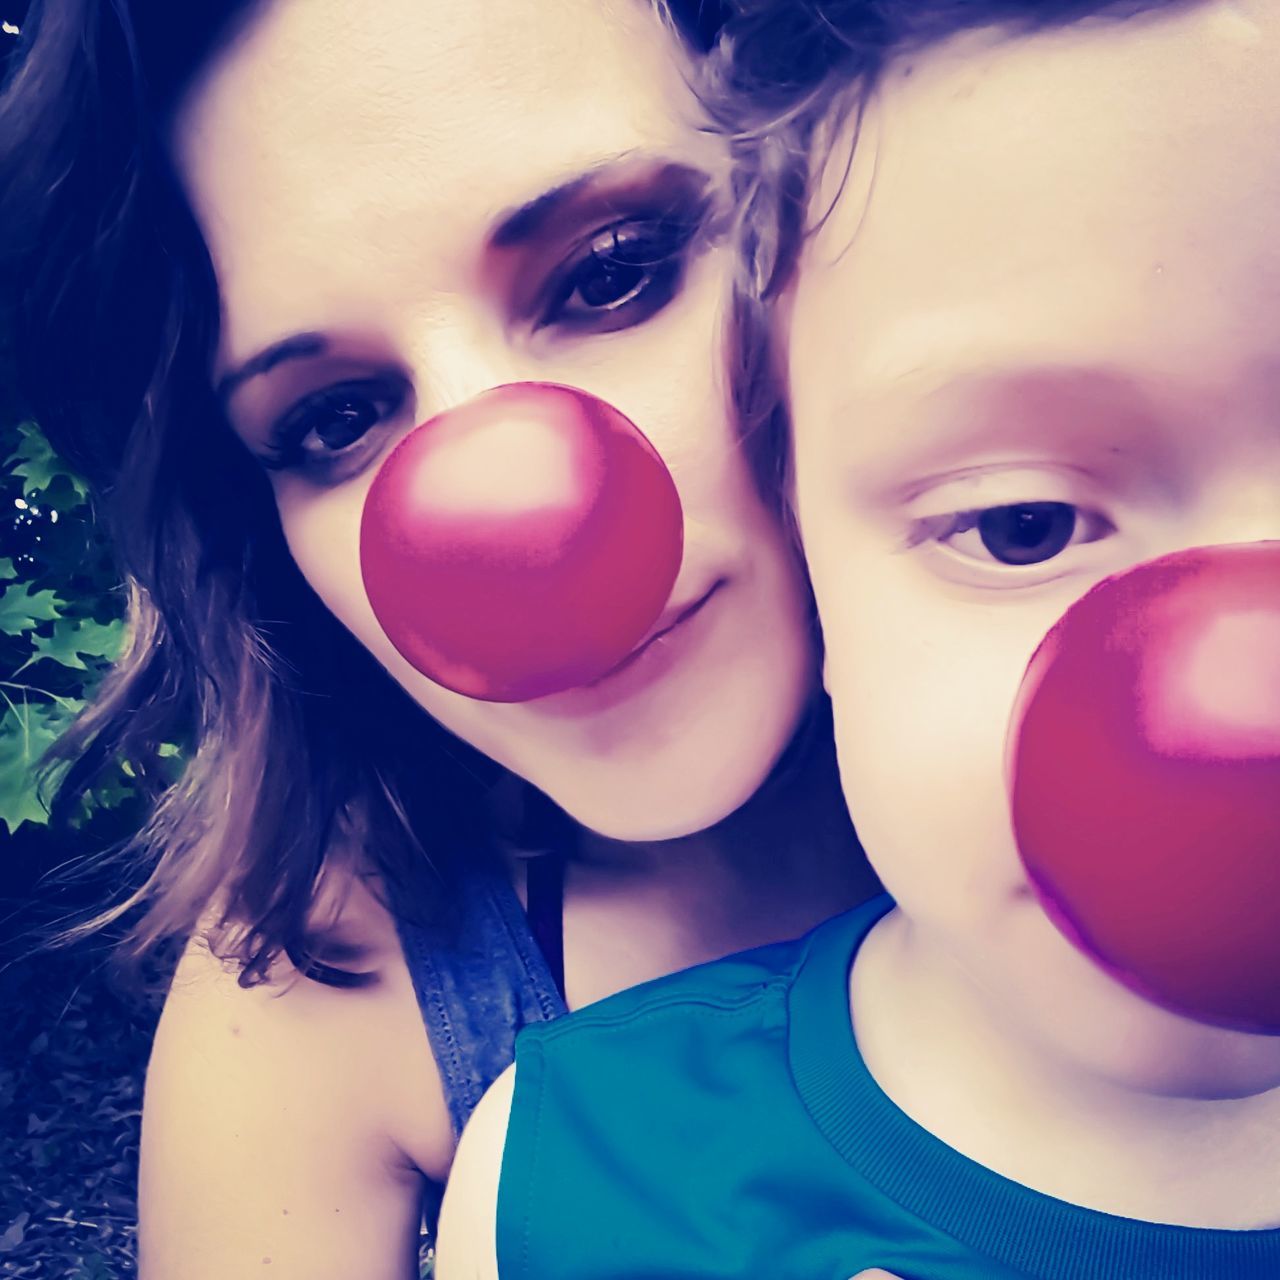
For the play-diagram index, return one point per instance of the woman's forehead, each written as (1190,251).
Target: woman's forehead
(323,107)
(388,141)
(382,48)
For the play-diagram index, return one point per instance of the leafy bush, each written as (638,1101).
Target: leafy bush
(61,622)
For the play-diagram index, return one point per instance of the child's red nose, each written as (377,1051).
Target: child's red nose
(522,543)
(1144,758)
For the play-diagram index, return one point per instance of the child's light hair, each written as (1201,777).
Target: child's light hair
(785,78)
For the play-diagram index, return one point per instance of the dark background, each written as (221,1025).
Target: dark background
(74,1032)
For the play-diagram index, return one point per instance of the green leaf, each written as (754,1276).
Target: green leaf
(19,800)
(27,731)
(106,794)
(111,794)
(7,570)
(37,463)
(71,639)
(59,647)
(63,495)
(21,609)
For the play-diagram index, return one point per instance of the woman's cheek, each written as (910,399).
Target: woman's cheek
(322,531)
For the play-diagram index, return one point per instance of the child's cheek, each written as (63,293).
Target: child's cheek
(923,685)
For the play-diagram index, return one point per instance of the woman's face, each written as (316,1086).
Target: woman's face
(410,202)
(1031,293)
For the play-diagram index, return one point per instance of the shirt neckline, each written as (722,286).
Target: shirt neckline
(984,1211)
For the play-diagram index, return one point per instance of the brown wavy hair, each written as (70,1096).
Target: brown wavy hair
(301,753)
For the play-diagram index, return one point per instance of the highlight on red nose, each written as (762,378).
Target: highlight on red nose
(1144,771)
(521,543)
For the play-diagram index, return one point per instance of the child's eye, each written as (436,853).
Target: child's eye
(627,272)
(338,423)
(1024,533)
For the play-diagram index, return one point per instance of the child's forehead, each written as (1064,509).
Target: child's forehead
(1130,52)
(1148,94)
(1051,187)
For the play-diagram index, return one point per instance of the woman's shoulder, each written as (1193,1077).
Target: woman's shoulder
(358,1054)
(290,1121)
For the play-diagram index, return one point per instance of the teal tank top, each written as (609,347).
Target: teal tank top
(721,1123)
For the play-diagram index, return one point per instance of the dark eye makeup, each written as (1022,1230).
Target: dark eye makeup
(623,274)
(616,278)
(333,422)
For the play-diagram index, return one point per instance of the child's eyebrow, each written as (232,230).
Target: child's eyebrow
(928,421)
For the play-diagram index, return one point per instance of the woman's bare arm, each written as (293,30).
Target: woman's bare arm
(286,1128)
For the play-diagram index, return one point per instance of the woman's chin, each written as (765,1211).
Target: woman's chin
(701,769)
(669,803)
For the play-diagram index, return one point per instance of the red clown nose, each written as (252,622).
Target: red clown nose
(1145,776)
(522,543)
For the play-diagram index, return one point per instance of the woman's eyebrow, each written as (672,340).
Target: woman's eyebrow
(514,227)
(300,346)
(528,221)
(518,225)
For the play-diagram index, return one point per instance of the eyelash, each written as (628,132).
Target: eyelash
(656,247)
(940,530)
(285,448)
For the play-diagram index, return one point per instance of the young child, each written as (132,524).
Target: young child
(1035,342)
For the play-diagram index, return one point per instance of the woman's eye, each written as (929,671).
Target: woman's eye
(1024,533)
(627,273)
(333,423)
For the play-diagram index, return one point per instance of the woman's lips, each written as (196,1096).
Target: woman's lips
(644,667)
(668,622)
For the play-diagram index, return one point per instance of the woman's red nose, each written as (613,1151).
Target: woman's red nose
(1144,758)
(522,543)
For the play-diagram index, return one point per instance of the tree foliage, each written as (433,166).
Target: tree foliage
(61,621)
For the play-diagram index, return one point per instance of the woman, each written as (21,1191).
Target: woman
(317,224)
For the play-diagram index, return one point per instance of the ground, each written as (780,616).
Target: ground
(73,1045)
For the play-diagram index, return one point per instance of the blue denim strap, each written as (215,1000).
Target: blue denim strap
(478,989)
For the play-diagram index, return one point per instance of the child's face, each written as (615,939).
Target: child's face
(1052,276)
